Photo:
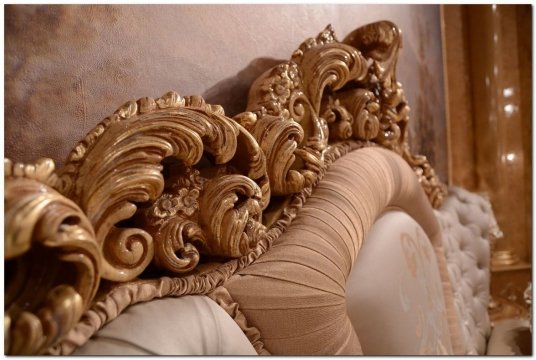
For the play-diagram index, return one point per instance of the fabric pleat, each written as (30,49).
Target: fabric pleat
(295,293)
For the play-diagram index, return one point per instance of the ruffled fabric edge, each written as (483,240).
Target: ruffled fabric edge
(116,299)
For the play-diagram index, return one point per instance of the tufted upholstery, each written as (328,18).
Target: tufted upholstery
(467,221)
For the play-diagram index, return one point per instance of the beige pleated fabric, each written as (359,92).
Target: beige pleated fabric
(295,293)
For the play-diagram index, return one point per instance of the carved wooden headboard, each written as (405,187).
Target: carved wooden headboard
(170,193)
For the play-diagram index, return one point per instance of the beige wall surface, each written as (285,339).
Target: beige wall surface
(68,67)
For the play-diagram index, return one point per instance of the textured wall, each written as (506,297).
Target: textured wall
(68,67)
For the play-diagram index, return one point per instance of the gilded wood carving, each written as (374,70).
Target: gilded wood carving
(172,182)
(51,259)
(333,91)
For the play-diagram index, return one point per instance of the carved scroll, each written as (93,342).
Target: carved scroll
(284,109)
(174,182)
(338,91)
(161,181)
(52,261)
(118,167)
(381,42)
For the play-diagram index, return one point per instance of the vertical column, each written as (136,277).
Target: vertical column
(458,98)
(499,124)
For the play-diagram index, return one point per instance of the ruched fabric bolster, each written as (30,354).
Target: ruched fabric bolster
(295,293)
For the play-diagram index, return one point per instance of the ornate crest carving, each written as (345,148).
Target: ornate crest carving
(334,91)
(283,111)
(110,211)
(172,181)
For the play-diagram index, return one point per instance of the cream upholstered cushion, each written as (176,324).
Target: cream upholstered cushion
(189,325)
(393,294)
(466,220)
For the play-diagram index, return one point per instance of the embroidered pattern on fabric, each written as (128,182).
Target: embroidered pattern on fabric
(431,321)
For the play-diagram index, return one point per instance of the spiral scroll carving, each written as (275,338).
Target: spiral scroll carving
(381,42)
(337,91)
(52,259)
(161,181)
(285,102)
(134,142)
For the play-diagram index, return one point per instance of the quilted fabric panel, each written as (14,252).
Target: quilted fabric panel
(467,223)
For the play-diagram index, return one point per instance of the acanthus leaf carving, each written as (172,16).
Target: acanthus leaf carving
(172,220)
(235,224)
(286,100)
(343,91)
(352,114)
(116,212)
(118,167)
(175,249)
(53,261)
(381,42)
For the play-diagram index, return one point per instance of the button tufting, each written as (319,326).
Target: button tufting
(467,250)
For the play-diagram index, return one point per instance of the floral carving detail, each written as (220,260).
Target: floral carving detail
(168,205)
(327,36)
(182,197)
(165,206)
(279,87)
(188,201)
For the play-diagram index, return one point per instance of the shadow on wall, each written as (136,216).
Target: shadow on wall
(232,93)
